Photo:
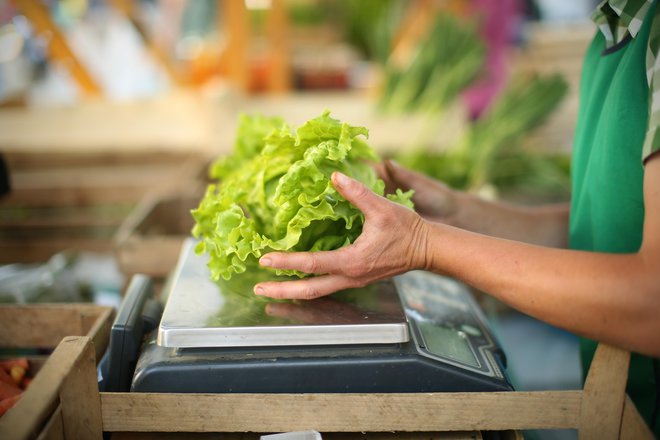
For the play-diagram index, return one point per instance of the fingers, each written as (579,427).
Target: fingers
(307,288)
(355,192)
(405,178)
(391,174)
(320,262)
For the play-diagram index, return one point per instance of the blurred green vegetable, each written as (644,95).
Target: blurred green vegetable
(274,193)
(491,152)
(370,25)
(444,64)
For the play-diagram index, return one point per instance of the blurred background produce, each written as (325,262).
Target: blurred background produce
(111,112)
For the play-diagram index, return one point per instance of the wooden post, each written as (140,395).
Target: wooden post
(415,25)
(279,80)
(604,394)
(58,48)
(234,18)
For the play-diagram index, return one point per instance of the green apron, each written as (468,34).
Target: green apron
(607,211)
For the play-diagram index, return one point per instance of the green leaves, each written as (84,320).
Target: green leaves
(444,64)
(274,192)
(492,152)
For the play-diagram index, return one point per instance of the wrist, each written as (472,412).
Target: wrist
(421,248)
(456,203)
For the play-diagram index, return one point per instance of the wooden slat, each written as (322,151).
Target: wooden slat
(21,251)
(73,221)
(53,429)
(150,238)
(339,412)
(326,436)
(633,426)
(44,326)
(33,410)
(28,326)
(46,158)
(97,325)
(153,256)
(604,394)
(79,398)
(58,48)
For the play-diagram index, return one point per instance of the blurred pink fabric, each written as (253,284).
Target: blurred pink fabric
(501,19)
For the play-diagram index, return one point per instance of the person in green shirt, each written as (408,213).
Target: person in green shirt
(591,267)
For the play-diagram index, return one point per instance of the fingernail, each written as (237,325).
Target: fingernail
(266,262)
(340,179)
(258,290)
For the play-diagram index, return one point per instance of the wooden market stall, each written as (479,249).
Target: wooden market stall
(600,411)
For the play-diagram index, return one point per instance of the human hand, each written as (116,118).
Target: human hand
(393,241)
(433,200)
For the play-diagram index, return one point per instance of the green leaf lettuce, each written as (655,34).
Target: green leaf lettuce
(274,192)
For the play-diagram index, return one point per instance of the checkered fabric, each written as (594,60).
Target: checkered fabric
(619,20)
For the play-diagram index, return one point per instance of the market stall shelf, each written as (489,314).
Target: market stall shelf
(76,201)
(150,238)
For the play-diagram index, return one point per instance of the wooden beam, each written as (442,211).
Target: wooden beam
(633,426)
(604,394)
(79,398)
(58,48)
(37,326)
(326,436)
(279,66)
(44,325)
(146,412)
(234,20)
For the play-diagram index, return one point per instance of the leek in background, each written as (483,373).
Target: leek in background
(492,155)
(444,64)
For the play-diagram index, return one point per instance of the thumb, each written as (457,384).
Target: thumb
(355,192)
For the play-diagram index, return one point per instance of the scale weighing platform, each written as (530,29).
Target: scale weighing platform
(418,332)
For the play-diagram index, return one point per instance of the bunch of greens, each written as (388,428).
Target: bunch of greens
(274,192)
(491,152)
(370,25)
(444,63)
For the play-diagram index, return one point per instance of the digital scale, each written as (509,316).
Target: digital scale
(418,332)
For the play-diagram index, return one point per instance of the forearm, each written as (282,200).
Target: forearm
(592,294)
(542,225)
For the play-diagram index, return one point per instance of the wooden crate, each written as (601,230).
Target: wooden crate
(600,411)
(62,201)
(149,240)
(62,400)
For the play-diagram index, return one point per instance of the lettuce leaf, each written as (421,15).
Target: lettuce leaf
(274,193)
